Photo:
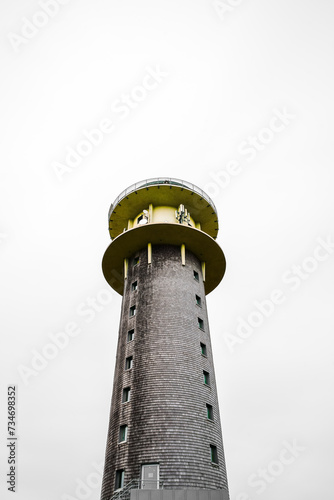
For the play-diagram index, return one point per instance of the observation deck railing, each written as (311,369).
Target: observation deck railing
(160,180)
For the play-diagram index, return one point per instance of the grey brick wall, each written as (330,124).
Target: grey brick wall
(166,415)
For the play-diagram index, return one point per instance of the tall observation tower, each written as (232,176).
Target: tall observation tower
(164,440)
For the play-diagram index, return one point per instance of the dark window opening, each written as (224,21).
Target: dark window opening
(209,412)
(203,349)
(128,363)
(135,261)
(119,482)
(126,395)
(131,335)
(214,454)
(200,323)
(196,276)
(134,286)
(206,377)
(123,431)
(198,301)
(132,311)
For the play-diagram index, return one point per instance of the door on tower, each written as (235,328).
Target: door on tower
(150,477)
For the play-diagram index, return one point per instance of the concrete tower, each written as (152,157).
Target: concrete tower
(164,438)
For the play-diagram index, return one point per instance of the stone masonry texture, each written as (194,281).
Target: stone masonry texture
(166,415)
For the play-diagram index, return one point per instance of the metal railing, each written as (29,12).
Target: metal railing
(160,180)
(124,493)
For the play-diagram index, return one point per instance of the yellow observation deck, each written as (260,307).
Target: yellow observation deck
(163,210)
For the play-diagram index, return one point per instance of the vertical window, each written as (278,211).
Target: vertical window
(135,261)
(206,377)
(209,412)
(131,335)
(134,286)
(123,432)
(196,276)
(200,323)
(203,349)
(214,454)
(198,301)
(126,395)
(128,363)
(132,311)
(119,482)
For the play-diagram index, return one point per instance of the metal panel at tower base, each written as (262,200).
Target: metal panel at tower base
(172,448)
(179,495)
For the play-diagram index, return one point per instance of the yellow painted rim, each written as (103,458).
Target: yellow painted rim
(124,246)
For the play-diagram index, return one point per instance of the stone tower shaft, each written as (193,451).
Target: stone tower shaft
(164,430)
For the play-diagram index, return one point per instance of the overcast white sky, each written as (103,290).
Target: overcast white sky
(248,88)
